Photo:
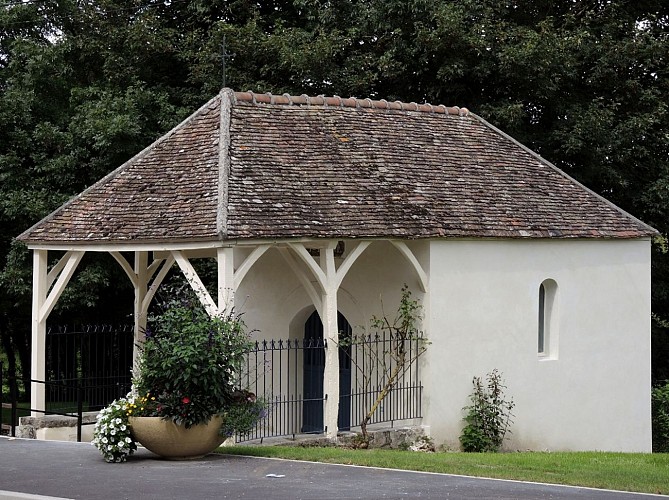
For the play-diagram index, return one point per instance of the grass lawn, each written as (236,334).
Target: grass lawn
(646,473)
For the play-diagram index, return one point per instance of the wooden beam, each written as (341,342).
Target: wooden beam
(226,279)
(38,328)
(304,279)
(196,283)
(350,260)
(306,257)
(72,261)
(155,284)
(125,265)
(409,255)
(245,267)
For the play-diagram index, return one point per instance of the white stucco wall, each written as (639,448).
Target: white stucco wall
(483,314)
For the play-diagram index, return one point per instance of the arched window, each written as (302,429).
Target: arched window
(547,328)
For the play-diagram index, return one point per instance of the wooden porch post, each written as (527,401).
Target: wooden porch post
(38,326)
(331,334)
(140,283)
(329,279)
(226,279)
(43,303)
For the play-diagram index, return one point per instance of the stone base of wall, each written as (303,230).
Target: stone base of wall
(410,437)
(56,427)
(394,438)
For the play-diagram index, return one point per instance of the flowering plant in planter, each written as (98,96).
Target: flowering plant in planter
(189,369)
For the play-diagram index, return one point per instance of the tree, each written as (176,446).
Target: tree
(85,85)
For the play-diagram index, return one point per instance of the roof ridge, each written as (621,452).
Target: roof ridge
(350,102)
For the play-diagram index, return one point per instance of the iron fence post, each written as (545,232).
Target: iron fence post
(79,411)
(2,422)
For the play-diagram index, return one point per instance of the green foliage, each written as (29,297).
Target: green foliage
(488,417)
(86,85)
(190,363)
(660,419)
(242,416)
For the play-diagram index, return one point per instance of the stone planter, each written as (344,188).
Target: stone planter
(175,442)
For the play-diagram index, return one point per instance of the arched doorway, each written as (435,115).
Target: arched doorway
(314,367)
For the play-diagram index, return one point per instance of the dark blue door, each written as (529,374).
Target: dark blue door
(314,367)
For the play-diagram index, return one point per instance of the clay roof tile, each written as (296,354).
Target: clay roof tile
(264,166)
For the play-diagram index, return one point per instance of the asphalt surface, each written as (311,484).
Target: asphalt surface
(76,470)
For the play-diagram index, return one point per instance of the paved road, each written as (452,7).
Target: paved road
(77,471)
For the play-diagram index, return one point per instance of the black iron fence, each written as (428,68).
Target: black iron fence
(88,367)
(11,408)
(378,360)
(288,375)
(95,357)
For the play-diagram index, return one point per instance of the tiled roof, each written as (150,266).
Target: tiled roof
(259,166)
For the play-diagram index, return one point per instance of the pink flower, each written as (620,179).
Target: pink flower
(185,400)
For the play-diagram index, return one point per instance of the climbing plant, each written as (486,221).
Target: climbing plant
(382,363)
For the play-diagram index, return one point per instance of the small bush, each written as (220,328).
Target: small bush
(660,411)
(488,417)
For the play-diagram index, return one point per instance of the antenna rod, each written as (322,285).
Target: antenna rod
(224,57)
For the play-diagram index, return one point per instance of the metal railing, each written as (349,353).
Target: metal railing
(288,375)
(80,389)
(98,356)
(374,358)
(275,371)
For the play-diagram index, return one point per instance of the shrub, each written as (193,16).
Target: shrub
(488,417)
(190,361)
(660,411)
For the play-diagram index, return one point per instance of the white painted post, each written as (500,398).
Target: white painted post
(331,334)
(38,326)
(141,287)
(226,279)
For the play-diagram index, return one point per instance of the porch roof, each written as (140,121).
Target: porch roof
(259,166)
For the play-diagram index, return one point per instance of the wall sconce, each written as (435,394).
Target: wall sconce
(339,249)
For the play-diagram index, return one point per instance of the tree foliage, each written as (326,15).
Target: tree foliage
(85,85)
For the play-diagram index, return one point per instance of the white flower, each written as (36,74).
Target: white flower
(105,440)
(123,427)
(128,440)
